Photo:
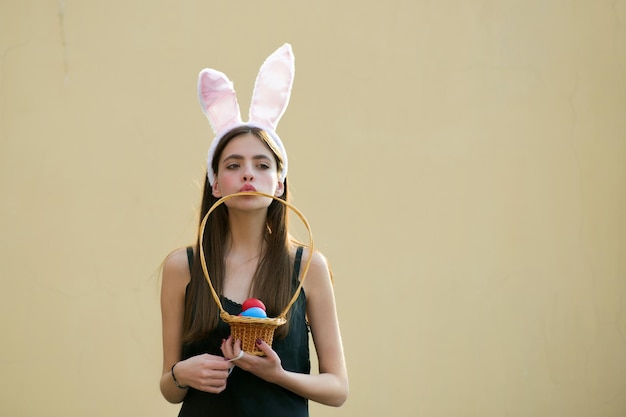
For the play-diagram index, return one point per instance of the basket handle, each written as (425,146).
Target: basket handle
(307,264)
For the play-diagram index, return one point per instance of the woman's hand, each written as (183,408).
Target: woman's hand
(268,367)
(205,372)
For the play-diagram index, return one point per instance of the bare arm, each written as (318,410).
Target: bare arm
(204,372)
(175,279)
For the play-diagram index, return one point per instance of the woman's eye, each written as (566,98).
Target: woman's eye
(263,166)
(232,166)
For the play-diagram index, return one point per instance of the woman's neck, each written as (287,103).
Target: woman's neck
(246,235)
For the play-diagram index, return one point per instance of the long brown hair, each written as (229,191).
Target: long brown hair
(272,279)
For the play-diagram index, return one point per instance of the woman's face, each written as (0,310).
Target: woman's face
(247,164)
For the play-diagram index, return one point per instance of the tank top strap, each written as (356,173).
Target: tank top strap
(190,256)
(296,264)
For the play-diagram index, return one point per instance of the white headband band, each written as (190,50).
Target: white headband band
(270,97)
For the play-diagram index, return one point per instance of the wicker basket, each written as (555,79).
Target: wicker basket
(249,329)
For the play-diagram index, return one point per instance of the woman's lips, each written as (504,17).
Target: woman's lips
(247,188)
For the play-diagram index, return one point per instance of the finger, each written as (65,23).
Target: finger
(236,358)
(237,348)
(218,376)
(215,378)
(209,357)
(265,348)
(232,351)
(214,388)
(215,366)
(227,348)
(270,354)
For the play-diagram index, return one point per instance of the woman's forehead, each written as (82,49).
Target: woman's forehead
(245,145)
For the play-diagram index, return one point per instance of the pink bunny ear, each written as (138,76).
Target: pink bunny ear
(272,88)
(269,101)
(218,99)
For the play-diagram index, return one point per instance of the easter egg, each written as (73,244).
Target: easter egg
(255,312)
(253,302)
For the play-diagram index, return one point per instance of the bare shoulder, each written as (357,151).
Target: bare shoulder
(319,271)
(176,269)
(318,259)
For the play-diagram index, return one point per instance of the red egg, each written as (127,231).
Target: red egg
(252,302)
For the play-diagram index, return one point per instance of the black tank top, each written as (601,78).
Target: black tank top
(246,394)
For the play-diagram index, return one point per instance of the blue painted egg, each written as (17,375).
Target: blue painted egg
(256,312)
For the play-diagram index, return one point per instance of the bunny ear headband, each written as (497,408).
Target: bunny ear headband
(272,90)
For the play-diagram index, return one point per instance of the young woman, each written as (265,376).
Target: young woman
(249,253)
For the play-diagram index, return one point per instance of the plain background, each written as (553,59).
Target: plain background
(461,162)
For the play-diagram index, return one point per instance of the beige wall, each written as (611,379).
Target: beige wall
(462,164)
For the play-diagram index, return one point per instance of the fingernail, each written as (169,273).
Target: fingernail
(259,341)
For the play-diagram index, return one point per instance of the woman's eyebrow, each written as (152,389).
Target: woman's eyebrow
(261,157)
(239,157)
(233,156)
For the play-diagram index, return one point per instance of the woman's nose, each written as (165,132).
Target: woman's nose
(248,175)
